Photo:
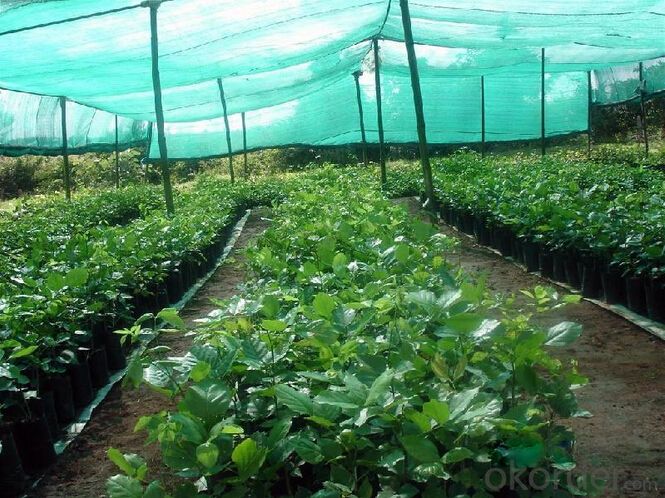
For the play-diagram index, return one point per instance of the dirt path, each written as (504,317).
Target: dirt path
(81,472)
(624,442)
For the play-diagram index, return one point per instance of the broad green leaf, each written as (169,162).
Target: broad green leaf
(402,253)
(336,398)
(279,431)
(379,387)
(248,457)
(437,410)
(270,306)
(200,371)
(119,459)
(120,486)
(457,455)
(208,400)
(273,325)
(525,456)
(308,450)
(420,448)
(76,277)
(154,490)
(563,334)
(23,352)
(207,454)
(297,401)
(464,323)
(425,471)
(324,305)
(170,316)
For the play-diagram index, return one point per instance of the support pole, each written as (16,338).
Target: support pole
(482,116)
(589,119)
(159,108)
(643,110)
(356,77)
(542,101)
(379,112)
(117,155)
(65,149)
(244,146)
(418,102)
(226,127)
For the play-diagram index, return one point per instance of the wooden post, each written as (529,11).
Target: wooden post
(379,113)
(65,149)
(542,101)
(482,116)
(244,146)
(363,136)
(159,108)
(590,107)
(144,162)
(418,102)
(226,126)
(643,111)
(117,155)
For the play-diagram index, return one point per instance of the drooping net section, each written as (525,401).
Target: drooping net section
(287,70)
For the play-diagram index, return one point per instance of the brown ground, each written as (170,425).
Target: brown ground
(624,441)
(82,470)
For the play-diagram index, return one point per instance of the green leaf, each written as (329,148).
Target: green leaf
(464,323)
(336,398)
(23,352)
(154,490)
(324,305)
(248,457)
(295,400)
(279,431)
(437,410)
(76,277)
(339,264)
(525,456)
(420,448)
(119,459)
(425,471)
(563,334)
(55,282)
(208,400)
(170,316)
(207,454)
(379,387)
(273,325)
(308,450)
(200,371)
(402,253)
(270,306)
(457,455)
(120,486)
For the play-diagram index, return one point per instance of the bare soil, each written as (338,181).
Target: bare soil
(82,470)
(624,442)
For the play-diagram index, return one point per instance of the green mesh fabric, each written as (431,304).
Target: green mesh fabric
(288,66)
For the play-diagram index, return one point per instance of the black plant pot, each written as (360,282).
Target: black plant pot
(161,299)
(635,294)
(530,255)
(558,266)
(505,245)
(572,270)
(174,286)
(546,262)
(99,367)
(654,289)
(12,477)
(79,373)
(614,287)
(445,213)
(34,444)
(115,356)
(467,223)
(61,387)
(48,401)
(591,284)
(516,248)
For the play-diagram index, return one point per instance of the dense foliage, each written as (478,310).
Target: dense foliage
(359,361)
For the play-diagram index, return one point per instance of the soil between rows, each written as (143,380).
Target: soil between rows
(82,470)
(624,442)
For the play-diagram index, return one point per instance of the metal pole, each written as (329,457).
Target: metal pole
(356,77)
(379,112)
(482,116)
(117,155)
(244,146)
(643,110)
(590,106)
(226,126)
(418,102)
(542,101)
(159,108)
(65,149)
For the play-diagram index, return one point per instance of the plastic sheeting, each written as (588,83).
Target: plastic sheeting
(288,66)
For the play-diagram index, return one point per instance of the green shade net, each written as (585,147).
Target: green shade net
(287,65)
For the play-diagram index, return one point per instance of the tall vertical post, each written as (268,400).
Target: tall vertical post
(379,111)
(589,115)
(482,116)
(65,149)
(643,111)
(159,108)
(363,136)
(417,101)
(542,101)
(117,155)
(144,162)
(226,127)
(244,146)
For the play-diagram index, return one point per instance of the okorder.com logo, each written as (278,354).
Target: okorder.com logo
(541,479)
